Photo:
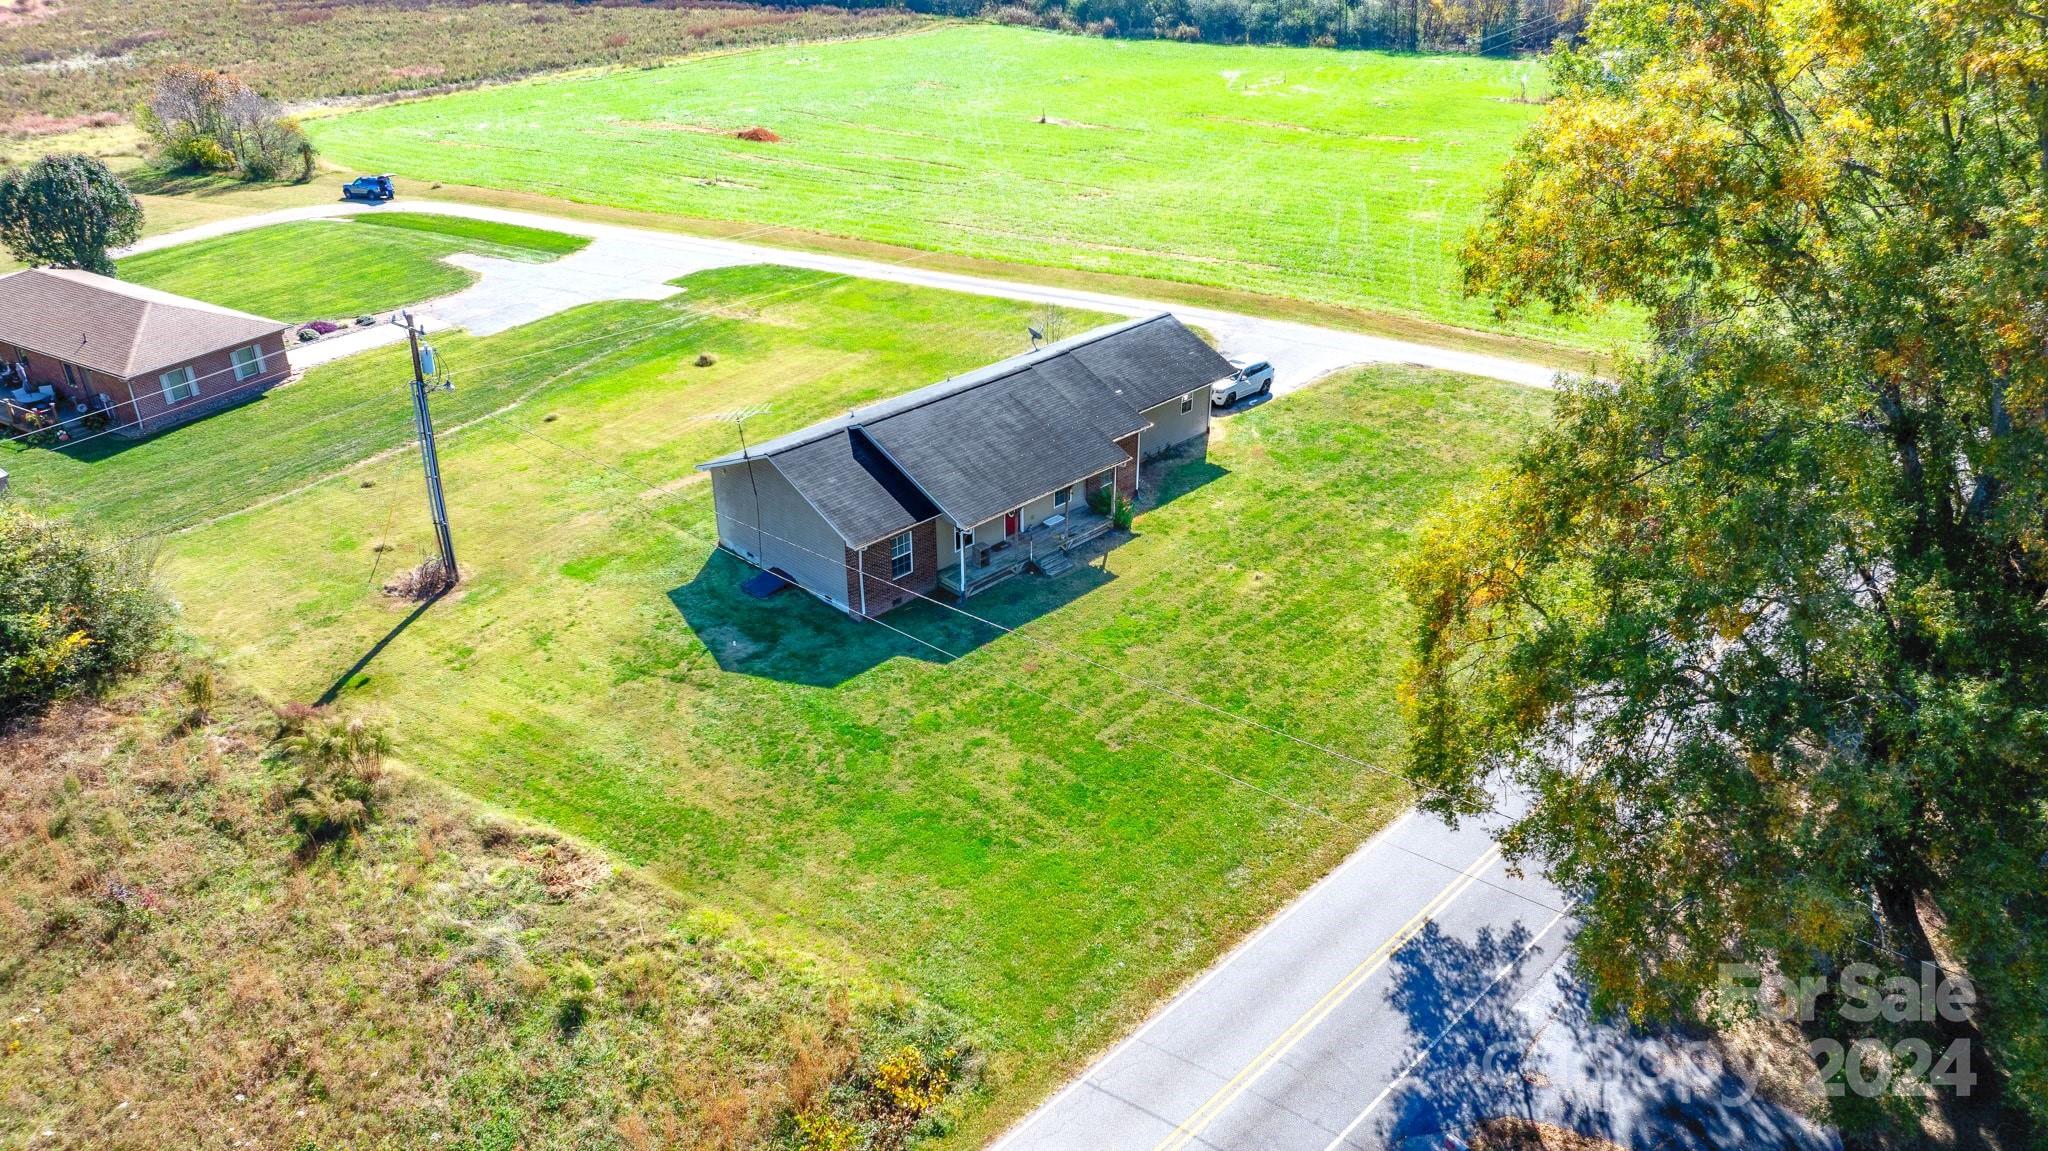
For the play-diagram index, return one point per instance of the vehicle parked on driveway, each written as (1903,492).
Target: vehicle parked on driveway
(369,188)
(1248,380)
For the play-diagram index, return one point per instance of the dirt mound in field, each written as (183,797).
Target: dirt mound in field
(758,135)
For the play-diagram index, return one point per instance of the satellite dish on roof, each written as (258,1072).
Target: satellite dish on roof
(1036,335)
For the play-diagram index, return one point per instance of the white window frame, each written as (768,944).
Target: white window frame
(902,556)
(179,384)
(256,366)
(1187,403)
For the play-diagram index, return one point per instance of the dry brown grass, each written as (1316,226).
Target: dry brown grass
(170,977)
(101,55)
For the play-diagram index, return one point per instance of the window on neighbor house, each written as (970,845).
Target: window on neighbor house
(179,385)
(248,361)
(966,539)
(901,561)
(1063,497)
(1187,403)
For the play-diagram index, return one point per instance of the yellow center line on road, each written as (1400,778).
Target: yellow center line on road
(1191,1127)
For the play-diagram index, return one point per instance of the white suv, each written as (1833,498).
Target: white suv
(1248,380)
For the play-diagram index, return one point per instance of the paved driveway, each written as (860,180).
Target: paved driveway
(626,263)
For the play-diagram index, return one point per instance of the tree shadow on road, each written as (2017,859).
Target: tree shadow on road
(1471,1041)
(1486,1043)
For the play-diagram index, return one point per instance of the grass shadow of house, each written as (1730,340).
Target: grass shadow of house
(1171,476)
(91,444)
(794,637)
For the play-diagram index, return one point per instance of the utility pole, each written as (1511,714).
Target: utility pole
(430,461)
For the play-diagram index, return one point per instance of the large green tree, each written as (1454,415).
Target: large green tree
(1758,626)
(66,211)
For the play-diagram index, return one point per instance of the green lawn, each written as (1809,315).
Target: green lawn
(1042,846)
(339,269)
(1330,176)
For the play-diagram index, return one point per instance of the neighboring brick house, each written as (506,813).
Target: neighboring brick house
(964,483)
(148,359)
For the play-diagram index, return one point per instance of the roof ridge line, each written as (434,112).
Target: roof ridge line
(854,418)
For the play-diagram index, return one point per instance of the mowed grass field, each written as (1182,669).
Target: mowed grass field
(1043,846)
(327,269)
(1329,176)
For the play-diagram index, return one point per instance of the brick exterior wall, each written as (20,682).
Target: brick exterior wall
(138,404)
(218,389)
(1127,475)
(884,593)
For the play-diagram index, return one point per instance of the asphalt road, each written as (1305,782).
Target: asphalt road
(1418,989)
(638,263)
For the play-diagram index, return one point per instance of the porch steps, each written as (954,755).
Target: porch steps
(1055,564)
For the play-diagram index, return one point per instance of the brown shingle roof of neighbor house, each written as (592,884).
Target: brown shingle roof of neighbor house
(121,329)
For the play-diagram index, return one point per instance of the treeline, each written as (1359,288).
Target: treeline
(1492,27)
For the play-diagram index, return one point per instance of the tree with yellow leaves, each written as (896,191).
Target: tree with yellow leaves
(1761,625)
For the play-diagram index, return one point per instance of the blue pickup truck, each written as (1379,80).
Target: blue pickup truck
(368,188)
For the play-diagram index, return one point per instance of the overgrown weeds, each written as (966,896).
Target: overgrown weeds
(340,761)
(431,982)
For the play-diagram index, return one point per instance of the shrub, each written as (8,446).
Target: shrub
(293,718)
(324,327)
(426,581)
(199,693)
(341,763)
(308,335)
(820,1130)
(74,612)
(212,122)
(903,1089)
(198,154)
(706,359)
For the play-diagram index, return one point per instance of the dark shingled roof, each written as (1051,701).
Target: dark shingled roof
(984,451)
(858,491)
(977,445)
(1153,362)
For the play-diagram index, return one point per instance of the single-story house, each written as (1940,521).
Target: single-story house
(968,481)
(73,343)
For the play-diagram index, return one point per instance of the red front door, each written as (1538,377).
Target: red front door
(1011,522)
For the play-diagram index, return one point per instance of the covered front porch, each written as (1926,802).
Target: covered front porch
(1043,546)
